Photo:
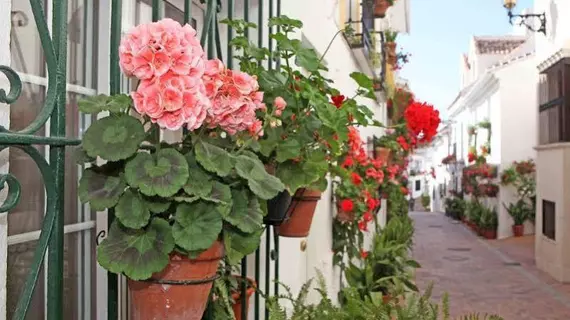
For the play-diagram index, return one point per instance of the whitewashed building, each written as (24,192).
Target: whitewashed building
(85,283)
(498,84)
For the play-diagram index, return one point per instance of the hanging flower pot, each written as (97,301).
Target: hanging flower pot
(391,56)
(518,230)
(301,213)
(237,297)
(380,8)
(178,292)
(277,209)
(383,154)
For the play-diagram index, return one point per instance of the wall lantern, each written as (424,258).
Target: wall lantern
(527,20)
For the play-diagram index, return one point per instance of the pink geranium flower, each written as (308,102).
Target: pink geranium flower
(235,98)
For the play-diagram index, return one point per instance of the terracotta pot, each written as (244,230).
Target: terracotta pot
(383,154)
(490,234)
(386,298)
(166,296)
(344,216)
(518,230)
(237,297)
(380,7)
(301,213)
(391,57)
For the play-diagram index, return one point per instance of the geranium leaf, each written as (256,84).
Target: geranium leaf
(138,253)
(132,211)
(118,103)
(161,174)
(221,195)
(100,190)
(294,178)
(156,204)
(200,182)
(288,149)
(246,213)
(259,181)
(239,244)
(307,58)
(93,104)
(113,138)
(271,79)
(214,159)
(197,225)
(80,157)
(362,80)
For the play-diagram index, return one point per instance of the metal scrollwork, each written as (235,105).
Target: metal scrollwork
(14,192)
(15,86)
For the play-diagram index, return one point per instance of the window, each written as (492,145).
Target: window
(549,219)
(418,185)
(554,99)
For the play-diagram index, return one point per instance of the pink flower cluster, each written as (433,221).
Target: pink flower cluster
(179,86)
(235,98)
(280,105)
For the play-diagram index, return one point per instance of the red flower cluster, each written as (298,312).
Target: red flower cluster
(422,120)
(338,100)
(403,143)
(471,157)
(525,167)
(347,205)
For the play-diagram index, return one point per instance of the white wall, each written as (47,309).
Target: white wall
(557,27)
(4,121)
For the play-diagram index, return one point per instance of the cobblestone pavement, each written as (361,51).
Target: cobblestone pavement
(485,276)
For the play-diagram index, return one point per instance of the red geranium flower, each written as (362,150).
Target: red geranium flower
(367,216)
(471,157)
(338,100)
(372,203)
(364,254)
(404,190)
(347,205)
(422,120)
(362,225)
(403,143)
(356,179)
(348,162)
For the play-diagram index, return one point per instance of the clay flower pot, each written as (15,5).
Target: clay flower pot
(383,154)
(277,209)
(301,212)
(169,293)
(518,230)
(237,297)
(490,234)
(380,8)
(391,57)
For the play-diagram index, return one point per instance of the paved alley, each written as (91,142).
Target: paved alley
(481,277)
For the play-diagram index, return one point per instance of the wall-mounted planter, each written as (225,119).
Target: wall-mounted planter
(380,8)
(301,212)
(277,209)
(391,56)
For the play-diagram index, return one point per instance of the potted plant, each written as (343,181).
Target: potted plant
(230,293)
(390,47)
(488,222)
(520,212)
(425,201)
(308,120)
(384,146)
(179,207)
(381,6)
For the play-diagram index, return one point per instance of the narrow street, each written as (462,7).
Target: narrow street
(484,276)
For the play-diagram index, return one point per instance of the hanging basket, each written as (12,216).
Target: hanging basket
(301,212)
(380,8)
(277,209)
(180,291)
(237,297)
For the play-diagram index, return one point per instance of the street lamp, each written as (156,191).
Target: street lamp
(527,20)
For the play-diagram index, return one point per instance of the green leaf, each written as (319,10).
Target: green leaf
(239,244)
(136,253)
(80,157)
(214,159)
(200,182)
(113,138)
(362,80)
(270,80)
(100,190)
(160,174)
(118,103)
(93,104)
(197,225)
(132,210)
(221,195)
(285,21)
(288,149)
(294,178)
(246,213)
(259,181)
(157,204)
(307,58)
